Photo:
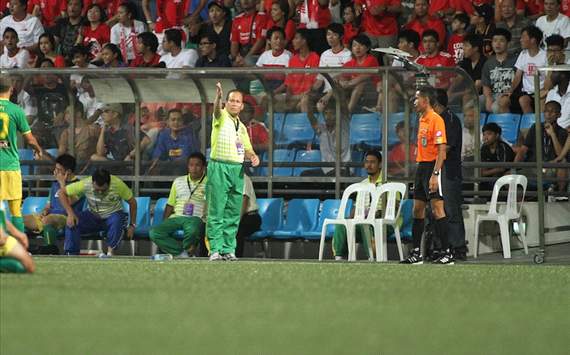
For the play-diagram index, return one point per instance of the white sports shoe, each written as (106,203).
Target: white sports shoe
(216,257)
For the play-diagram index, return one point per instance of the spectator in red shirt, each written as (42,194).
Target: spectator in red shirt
(146,47)
(432,57)
(258,133)
(48,11)
(110,7)
(455,44)
(531,9)
(96,33)
(359,85)
(248,35)
(169,14)
(351,24)
(379,21)
(280,18)
(397,155)
(298,86)
(315,16)
(46,44)
(421,21)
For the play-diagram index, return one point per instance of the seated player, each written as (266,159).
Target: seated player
(14,256)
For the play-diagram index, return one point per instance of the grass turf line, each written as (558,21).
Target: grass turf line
(90,306)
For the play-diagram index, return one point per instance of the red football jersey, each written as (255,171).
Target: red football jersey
(301,83)
(248,28)
(169,13)
(431,24)
(49,9)
(385,24)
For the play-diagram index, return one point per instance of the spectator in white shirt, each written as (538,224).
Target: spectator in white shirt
(124,34)
(22,98)
(529,60)
(553,22)
(13,57)
(336,56)
(175,56)
(28,27)
(276,57)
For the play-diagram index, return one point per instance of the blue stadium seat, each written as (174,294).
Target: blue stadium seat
(329,210)
(400,116)
(509,123)
(278,118)
(296,129)
(304,156)
(358,157)
(53,152)
(302,216)
(26,154)
(279,155)
(528,119)
(482,119)
(365,129)
(33,205)
(143,215)
(158,214)
(271,212)
(208,152)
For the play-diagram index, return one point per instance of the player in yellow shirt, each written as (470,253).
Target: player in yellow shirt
(13,244)
(13,121)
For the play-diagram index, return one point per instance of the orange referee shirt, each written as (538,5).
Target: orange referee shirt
(431,133)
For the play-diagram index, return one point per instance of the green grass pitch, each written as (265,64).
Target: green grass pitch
(139,306)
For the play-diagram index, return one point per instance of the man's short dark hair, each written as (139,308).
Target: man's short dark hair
(430,33)
(130,7)
(463,18)
(101,177)
(174,35)
(374,153)
(211,36)
(475,40)
(304,33)
(67,161)
(274,29)
(5,83)
(502,32)
(429,93)
(362,39)
(197,155)
(174,110)
(555,40)
(493,127)
(556,104)
(410,36)
(23,2)
(336,28)
(148,39)
(533,32)
(79,49)
(10,30)
(232,91)
(441,97)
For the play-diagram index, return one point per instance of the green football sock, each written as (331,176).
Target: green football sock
(18,222)
(11,265)
(50,234)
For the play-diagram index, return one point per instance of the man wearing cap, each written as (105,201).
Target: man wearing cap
(116,139)
(482,24)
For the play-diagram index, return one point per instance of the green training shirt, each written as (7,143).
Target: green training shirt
(12,121)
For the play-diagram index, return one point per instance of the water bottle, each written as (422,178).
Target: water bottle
(161,257)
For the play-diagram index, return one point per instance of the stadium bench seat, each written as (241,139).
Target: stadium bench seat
(271,212)
(143,215)
(33,205)
(329,210)
(302,215)
(509,123)
(26,154)
(528,119)
(306,156)
(282,156)
(365,129)
(278,118)
(53,152)
(296,129)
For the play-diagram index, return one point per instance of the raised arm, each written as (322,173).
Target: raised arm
(218,100)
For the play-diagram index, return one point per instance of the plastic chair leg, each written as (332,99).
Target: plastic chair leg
(505,237)
(153,248)
(287,250)
(322,243)
(132,242)
(522,230)
(351,242)
(398,242)
(476,241)
(379,240)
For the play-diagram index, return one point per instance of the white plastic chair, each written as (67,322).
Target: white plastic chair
(360,189)
(391,215)
(512,212)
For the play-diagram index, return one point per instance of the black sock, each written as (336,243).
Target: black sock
(417,231)
(441,231)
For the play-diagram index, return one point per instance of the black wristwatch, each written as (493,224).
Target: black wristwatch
(436,173)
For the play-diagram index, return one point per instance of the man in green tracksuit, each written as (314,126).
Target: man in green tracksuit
(224,189)
(184,210)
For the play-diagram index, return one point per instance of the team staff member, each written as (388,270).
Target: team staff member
(224,189)
(13,121)
(430,158)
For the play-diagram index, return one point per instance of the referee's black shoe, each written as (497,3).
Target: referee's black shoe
(414,258)
(446,258)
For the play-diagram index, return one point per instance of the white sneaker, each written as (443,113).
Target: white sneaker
(183,255)
(216,257)
(339,258)
(230,257)
(104,255)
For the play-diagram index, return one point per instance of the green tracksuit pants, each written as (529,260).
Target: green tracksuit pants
(163,234)
(224,194)
(340,246)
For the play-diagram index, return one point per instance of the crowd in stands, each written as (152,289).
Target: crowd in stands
(499,43)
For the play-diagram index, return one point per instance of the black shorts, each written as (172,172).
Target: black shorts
(424,172)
